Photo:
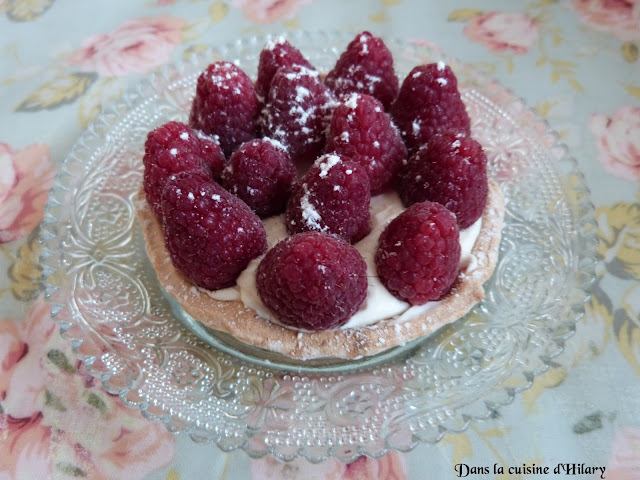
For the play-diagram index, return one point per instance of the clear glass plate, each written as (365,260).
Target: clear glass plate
(107,300)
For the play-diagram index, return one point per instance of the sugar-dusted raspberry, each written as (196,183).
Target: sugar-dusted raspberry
(363,132)
(418,253)
(261,173)
(276,53)
(298,111)
(452,170)
(211,235)
(312,281)
(366,66)
(212,153)
(225,105)
(332,197)
(429,103)
(173,148)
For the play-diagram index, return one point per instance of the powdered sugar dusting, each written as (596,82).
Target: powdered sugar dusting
(441,65)
(204,136)
(326,163)
(275,143)
(442,81)
(222,75)
(373,79)
(309,213)
(273,43)
(302,115)
(365,47)
(301,72)
(301,93)
(352,101)
(184,136)
(280,133)
(415,127)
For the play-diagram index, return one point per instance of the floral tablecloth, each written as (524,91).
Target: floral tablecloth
(576,62)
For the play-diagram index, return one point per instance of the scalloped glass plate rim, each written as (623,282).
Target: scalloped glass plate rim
(251,443)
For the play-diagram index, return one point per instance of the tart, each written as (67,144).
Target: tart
(379,182)
(232,317)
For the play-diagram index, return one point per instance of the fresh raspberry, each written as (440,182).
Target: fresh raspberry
(172,148)
(261,174)
(332,197)
(211,235)
(312,281)
(298,112)
(212,153)
(366,66)
(276,53)
(363,132)
(225,105)
(452,170)
(428,103)
(418,253)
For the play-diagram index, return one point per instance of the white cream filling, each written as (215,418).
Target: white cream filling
(380,304)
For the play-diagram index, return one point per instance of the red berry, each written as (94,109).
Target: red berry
(276,53)
(363,132)
(312,281)
(428,103)
(212,153)
(173,148)
(261,174)
(225,105)
(366,66)
(332,197)
(298,111)
(451,170)
(211,235)
(418,253)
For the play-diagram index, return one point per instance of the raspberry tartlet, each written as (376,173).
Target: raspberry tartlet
(386,232)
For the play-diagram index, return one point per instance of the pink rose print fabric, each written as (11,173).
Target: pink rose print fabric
(389,467)
(111,441)
(90,433)
(618,17)
(25,449)
(22,385)
(137,46)
(617,138)
(269,11)
(22,356)
(501,31)
(624,463)
(25,179)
